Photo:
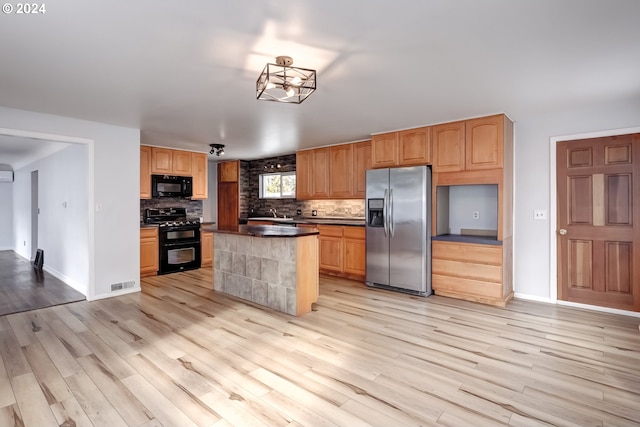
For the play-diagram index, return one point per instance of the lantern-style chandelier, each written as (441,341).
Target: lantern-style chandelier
(281,82)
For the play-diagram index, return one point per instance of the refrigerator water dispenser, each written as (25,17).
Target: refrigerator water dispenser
(375,217)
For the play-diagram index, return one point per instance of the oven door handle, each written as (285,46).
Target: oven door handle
(189,243)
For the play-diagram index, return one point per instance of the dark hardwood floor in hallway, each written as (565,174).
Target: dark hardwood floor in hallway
(24,288)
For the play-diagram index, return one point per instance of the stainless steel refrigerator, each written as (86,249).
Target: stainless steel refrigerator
(398,226)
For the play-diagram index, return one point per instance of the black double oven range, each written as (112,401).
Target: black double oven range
(179,239)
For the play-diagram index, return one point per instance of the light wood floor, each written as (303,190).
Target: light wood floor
(179,354)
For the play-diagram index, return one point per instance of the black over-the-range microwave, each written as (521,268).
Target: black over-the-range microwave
(171,186)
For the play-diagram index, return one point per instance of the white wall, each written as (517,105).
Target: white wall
(113,227)
(466,199)
(6,216)
(63,223)
(532,184)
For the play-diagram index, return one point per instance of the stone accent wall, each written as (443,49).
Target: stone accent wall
(250,188)
(193,207)
(257,269)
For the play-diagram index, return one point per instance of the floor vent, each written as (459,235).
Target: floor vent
(123,285)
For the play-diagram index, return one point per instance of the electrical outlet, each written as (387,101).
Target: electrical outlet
(476,215)
(539,214)
(314,213)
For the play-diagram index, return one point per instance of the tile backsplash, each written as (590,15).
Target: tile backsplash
(193,207)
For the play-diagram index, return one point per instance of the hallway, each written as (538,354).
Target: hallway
(23,287)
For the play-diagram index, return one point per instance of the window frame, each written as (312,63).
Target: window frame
(261,194)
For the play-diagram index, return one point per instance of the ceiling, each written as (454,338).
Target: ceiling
(184,72)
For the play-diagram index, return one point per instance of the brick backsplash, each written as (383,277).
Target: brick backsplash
(255,206)
(193,207)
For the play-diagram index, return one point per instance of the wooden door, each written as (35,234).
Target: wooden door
(341,181)
(598,221)
(330,253)
(228,205)
(181,162)
(145,172)
(206,248)
(149,251)
(303,175)
(448,147)
(484,142)
(361,162)
(199,162)
(384,150)
(228,171)
(414,146)
(355,249)
(320,173)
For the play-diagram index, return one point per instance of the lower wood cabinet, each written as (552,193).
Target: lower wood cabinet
(206,249)
(342,251)
(149,251)
(474,272)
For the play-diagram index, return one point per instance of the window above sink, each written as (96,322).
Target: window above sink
(278,185)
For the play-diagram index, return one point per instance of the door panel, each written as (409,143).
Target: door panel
(377,240)
(599,255)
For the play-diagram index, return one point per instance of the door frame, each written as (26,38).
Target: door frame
(553,220)
(90,143)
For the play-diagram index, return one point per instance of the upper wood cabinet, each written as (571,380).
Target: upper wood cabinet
(384,150)
(473,144)
(484,142)
(361,162)
(448,147)
(341,181)
(303,175)
(414,146)
(337,172)
(229,171)
(145,172)
(165,161)
(199,162)
(403,148)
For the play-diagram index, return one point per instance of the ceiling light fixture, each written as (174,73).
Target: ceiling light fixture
(281,82)
(217,149)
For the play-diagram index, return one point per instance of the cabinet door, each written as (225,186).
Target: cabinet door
(361,162)
(384,150)
(161,161)
(484,142)
(330,253)
(228,205)
(355,249)
(414,146)
(303,175)
(199,162)
(320,173)
(181,163)
(228,171)
(341,180)
(206,248)
(149,252)
(448,147)
(145,172)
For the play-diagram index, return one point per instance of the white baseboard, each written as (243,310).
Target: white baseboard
(6,248)
(82,288)
(115,294)
(576,305)
(532,298)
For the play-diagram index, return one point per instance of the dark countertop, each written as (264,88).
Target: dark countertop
(461,238)
(143,225)
(264,231)
(356,222)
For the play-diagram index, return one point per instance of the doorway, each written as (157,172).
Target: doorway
(598,221)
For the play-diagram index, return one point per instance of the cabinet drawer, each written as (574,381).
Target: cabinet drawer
(467,270)
(354,232)
(149,232)
(446,285)
(467,252)
(330,230)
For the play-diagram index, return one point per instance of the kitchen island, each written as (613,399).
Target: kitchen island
(274,266)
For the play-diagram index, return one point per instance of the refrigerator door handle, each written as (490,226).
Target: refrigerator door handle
(391,212)
(385,212)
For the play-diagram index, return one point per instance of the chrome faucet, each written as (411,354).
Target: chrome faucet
(273,211)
